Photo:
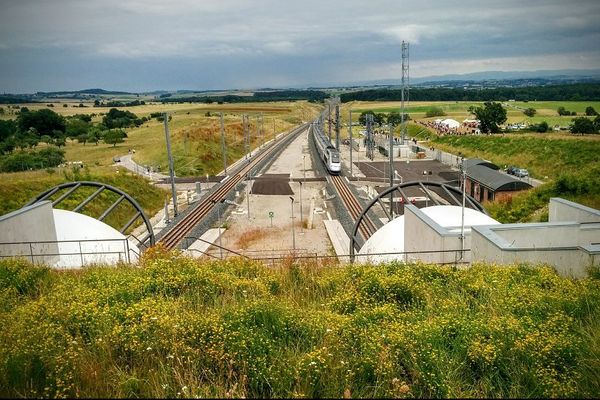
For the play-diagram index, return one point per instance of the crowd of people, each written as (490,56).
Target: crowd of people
(466,128)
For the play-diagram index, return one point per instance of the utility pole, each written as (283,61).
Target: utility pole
(329,118)
(351,139)
(404,89)
(214,202)
(370,150)
(171,168)
(246,137)
(248,194)
(293,232)
(462,214)
(274,136)
(337,126)
(223,149)
(391,145)
(301,213)
(262,135)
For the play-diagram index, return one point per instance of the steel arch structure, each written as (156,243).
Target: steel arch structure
(72,187)
(449,194)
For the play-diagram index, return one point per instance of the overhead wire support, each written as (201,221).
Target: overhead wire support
(404,89)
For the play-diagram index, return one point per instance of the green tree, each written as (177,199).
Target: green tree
(362,119)
(542,127)
(114,136)
(82,139)
(44,121)
(590,112)
(530,112)
(76,127)
(435,112)
(8,128)
(582,125)
(490,116)
(379,118)
(60,141)
(46,139)
(394,118)
(94,135)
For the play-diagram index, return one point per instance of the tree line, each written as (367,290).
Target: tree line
(279,95)
(574,92)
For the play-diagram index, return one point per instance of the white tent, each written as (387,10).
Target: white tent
(450,123)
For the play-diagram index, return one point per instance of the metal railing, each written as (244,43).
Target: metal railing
(50,251)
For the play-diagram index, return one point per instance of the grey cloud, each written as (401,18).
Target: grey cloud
(268,42)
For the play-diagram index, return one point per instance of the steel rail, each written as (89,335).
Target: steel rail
(354,207)
(183,227)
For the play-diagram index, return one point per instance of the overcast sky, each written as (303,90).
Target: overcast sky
(143,45)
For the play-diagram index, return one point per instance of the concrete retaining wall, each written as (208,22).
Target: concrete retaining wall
(33,224)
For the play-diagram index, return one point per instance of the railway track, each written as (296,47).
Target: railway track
(354,207)
(183,227)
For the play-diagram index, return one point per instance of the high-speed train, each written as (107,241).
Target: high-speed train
(327,152)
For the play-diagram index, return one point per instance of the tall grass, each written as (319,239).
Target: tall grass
(175,327)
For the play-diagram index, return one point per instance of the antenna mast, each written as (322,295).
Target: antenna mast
(405,88)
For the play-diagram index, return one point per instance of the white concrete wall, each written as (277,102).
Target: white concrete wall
(542,235)
(565,210)
(424,234)
(570,259)
(33,224)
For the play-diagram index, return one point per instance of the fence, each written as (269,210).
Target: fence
(72,253)
(458,256)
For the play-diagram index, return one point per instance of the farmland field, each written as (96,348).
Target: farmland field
(546,110)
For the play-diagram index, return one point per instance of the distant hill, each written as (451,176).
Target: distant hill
(487,78)
(84,91)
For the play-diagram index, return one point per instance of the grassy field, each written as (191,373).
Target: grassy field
(569,164)
(180,328)
(195,139)
(458,110)
(16,189)
(195,136)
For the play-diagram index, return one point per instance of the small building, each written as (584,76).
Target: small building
(487,184)
(471,162)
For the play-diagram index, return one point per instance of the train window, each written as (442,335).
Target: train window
(335,157)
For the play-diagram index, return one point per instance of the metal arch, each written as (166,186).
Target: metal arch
(101,187)
(448,189)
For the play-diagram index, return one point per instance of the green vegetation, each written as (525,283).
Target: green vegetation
(584,125)
(543,156)
(113,136)
(279,95)
(562,111)
(572,166)
(435,112)
(575,92)
(17,189)
(24,161)
(530,112)
(532,205)
(393,118)
(180,328)
(490,116)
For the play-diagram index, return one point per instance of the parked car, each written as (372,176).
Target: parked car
(521,172)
